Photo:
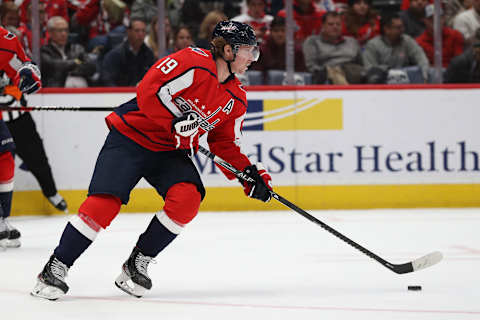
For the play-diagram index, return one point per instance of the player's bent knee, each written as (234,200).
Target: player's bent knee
(100,209)
(182,202)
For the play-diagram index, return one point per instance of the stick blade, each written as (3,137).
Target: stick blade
(427,261)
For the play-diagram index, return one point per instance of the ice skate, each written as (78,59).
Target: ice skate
(50,283)
(134,278)
(58,202)
(13,240)
(3,234)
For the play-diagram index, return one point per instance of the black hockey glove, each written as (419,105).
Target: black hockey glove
(260,189)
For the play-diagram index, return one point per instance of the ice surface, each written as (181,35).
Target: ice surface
(260,265)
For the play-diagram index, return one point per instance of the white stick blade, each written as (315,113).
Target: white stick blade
(427,261)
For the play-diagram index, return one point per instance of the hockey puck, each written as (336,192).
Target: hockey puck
(414,288)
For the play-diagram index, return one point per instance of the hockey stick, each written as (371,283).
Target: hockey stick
(415,265)
(55,108)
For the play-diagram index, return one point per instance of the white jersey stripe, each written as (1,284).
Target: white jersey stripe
(167,91)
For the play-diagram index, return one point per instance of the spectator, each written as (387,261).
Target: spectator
(145,10)
(453,8)
(452,40)
(207,26)
(64,64)
(193,12)
(465,68)
(126,64)
(102,19)
(361,21)
(182,38)
(307,16)
(393,49)
(412,18)
(406,4)
(256,17)
(331,56)
(468,21)
(25,29)
(272,50)
(9,16)
(52,8)
(151,40)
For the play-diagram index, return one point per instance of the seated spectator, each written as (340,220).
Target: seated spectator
(272,50)
(307,16)
(406,4)
(468,22)
(151,40)
(193,12)
(25,29)
(453,8)
(207,26)
(465,68)
(126,64)
(452,40)
(10,18)
(331,56)
(145,10)
(64,64)
(393,49)
(256,17)
(52,8)
(182,38)
(100,18)
(412,18)
(361,21)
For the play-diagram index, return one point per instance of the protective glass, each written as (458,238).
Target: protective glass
(248,52)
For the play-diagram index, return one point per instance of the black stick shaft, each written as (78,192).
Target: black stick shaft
(55,108)
(302,212)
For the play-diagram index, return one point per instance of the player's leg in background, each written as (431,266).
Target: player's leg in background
(117,171)
(176,179)
(29,147)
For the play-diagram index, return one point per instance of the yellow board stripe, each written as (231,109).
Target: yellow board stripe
(306,197)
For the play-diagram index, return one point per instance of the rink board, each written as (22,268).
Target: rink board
(325,149)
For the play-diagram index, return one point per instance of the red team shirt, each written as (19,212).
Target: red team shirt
(12,55)
(186,81)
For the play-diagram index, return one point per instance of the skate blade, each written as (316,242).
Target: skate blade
(13,243)
(3,244)
(45,291)
(124,283)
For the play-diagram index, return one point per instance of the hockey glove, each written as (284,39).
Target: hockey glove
(185,130)
(28,78)
(260,189)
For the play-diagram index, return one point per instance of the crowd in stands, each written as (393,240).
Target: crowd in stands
(114,42)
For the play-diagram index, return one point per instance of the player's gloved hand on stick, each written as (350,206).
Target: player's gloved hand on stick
(185,130)
(260,189)
(28,78)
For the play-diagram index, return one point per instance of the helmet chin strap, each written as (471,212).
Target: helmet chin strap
(229,66)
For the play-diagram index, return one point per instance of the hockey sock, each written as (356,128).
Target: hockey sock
(5,203)
(72,244)
(160,232)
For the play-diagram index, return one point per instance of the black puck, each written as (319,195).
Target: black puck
(415,288)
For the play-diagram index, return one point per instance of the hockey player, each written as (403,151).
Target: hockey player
(154,135)
(25,75)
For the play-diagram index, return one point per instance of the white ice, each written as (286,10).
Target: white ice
(260,265)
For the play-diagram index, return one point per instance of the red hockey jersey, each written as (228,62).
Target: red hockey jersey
(12,55)
(183,82)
